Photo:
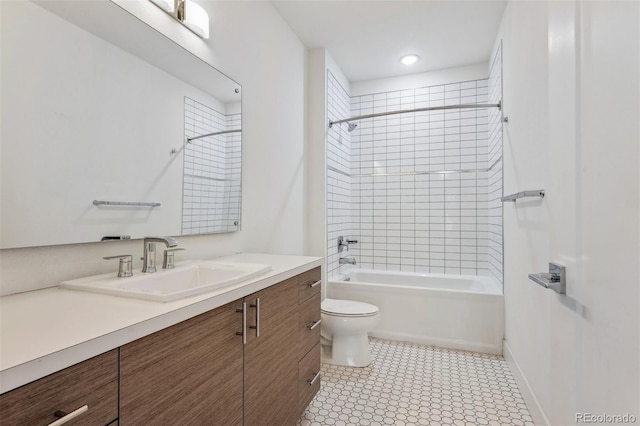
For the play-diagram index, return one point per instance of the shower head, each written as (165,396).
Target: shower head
(352,126)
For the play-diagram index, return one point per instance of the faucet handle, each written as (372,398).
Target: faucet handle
(124,267)
(168,261)
(342,244)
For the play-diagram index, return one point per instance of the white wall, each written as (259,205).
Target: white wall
(571,91)
(425,79)
(319,65)
(316,153)
(252,44)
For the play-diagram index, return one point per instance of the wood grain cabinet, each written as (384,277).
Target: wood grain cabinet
(270,356)
(88,389)
(190,373)
(240,363)
(282,350)
(308,337)
(252,362)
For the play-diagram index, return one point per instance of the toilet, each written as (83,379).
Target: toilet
(345,324)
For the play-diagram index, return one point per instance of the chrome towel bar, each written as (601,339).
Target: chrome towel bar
(514,197)
(124,203)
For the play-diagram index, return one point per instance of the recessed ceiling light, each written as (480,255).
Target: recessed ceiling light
(409,59)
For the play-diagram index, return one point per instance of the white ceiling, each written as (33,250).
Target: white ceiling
(366,38)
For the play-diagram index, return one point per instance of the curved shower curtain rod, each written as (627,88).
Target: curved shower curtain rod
(213,134)
(403,111)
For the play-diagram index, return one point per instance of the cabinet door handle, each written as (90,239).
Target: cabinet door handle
(243,333)
(313,379)
(314,324)
(68,417)
(257,326)
(315,283)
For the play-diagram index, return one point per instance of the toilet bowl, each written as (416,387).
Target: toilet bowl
(345,324)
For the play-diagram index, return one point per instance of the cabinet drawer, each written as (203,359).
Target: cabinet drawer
(308,370)
(308,325)
(308,284)
(93,383)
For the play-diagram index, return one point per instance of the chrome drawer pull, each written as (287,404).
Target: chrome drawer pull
(314,324)
(313,380)
(68,417)
(257,326)
(312,285)
(243,333)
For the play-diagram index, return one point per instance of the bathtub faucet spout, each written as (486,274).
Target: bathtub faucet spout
(345,261)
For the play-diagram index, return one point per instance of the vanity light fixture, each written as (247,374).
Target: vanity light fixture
(166,5)
(195,18)
(188,13)
(409,59)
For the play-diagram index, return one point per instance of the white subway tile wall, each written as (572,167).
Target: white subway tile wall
(338,174)
(211,189)
(433,222)
(495,174)
(233,184)
(424,222)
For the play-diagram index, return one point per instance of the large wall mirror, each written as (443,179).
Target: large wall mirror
(111,130)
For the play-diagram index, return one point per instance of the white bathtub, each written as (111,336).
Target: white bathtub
(452,311)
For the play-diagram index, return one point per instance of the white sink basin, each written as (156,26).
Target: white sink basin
(171,284)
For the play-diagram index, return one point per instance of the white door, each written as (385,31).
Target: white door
(593,199)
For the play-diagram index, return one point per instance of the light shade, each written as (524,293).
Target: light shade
(166,5)
(409,59)
(196,18)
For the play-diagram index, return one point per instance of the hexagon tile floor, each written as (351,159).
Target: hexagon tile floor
(411,384)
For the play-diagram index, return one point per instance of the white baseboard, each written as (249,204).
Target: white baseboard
(537,414)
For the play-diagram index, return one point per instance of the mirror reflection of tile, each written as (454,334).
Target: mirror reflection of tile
(212,171)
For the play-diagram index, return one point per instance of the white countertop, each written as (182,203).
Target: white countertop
(44,331)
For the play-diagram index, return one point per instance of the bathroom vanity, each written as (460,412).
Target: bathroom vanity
(248,354)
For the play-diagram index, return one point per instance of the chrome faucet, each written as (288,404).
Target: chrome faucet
(343,243)
(149,256)
(346,261)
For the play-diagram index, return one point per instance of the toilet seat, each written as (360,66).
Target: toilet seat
(347,308)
